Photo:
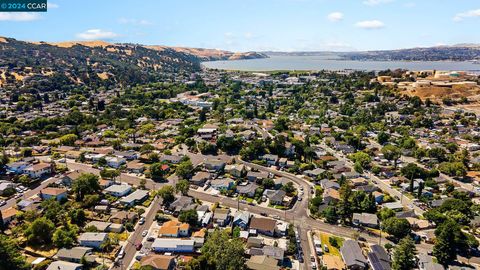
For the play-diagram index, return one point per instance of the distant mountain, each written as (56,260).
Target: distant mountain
(46,66)
(459,52)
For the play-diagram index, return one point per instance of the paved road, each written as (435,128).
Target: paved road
(136,236)
(29,193)
(385,187)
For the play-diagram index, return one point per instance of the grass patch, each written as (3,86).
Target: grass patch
(324,238)
(122,236)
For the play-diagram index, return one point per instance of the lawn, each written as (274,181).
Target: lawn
(332,250)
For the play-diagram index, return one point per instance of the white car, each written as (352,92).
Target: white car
(141,221)
(144,233)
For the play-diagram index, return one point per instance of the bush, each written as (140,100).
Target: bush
(333,241)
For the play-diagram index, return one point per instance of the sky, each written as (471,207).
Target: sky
(254,25)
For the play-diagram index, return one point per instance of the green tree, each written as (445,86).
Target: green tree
(184,169)
(445,248)
(167,194)
(361,158)
(182,186)
(382,137)
(189,216)
(397,227)
(40,231)
(10,255)
(156,171)
(64,236)
(404,255)
(85,184)
(392,153)
(223,253)
(68,139)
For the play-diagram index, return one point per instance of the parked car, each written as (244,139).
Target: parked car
(144,233)
(138,246)
(121,254)
(141,221)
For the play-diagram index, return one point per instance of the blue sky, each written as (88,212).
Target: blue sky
(244,25)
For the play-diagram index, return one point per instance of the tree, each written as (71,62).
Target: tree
(385,213)
(382,137)
(156,172)
(78,216)
(64,236)
(184,169)
(68,139)
(189,216)
(392,153)
(40,231)
(289,188)
(445,248)
(330,214)
(223,253)
(362,158)
(167,194)
(182,186)
(397,227)
(86,183)
(404,255)
(345,208)
(10,254)
(456,169)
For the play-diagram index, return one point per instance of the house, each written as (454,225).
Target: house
(247,190)
(222,184)
(181,204)
(158,262)
(241,219)
(61,265)
(207,133)
(115,162)
(395,206)
(236,170)
(275,197)
(365,219)
(425,262)
(221,216)
(314,173)
(352,255)
(122,217)
(254,242)
(174,229)
(102,226)
(136,197)
(8,215)
(200,178)
(274,252)
(6,186)
(135,166)
(70,177)
(171,159)
(74,254)
(128,155)
(262,262)
(93,240)
(214,165)
(327,184)
(118,190)
(262,225)
(58,194)
(173,245)
(17,167)
(257,176)
(38,170)
(330,195)
(270,159)
(378,258)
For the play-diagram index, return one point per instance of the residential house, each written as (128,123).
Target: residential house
(270,159)
(122,217)
(256,176)
(236,170)
(221,216)
(330,195)
(262,262)
(61,265)
(174,229)
(264,226)
(128,155)
(365,219)
(135,166)
(275,197)
(118,190)
(135,197)
(93,240)
(222,184)
(378,258)
(214,165)
(314,173)
(247,190)
(200,178)
(6,186)
(17,167)
(181,204)
(158,262)
(173,245)
(425,262)
(58,194)
(74,254)
(115,162)
(241,219)
(102,226)
(352,255)
(8,215)
(38,170)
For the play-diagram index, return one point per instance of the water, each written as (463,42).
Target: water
(327,63)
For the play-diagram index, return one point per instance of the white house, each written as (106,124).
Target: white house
(38,170)
(93,240)
(173,245)
(115,162)
(118,190)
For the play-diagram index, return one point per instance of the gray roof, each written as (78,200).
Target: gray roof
(352,254)
(378,258)
(136,196)
(89,236)
(366,218)
(73,253)
(60,265)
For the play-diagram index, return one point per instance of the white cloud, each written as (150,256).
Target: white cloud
(335,16)
(373,24)
(376,2)
(19,16)
(134,21)
(52,5)
(93,34)
(467,14)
